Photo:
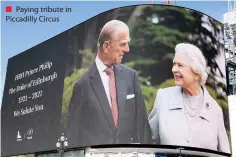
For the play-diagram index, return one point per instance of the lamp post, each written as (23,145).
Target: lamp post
(180,148)
(62,144)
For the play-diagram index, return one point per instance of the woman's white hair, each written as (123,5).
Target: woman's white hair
(196,59)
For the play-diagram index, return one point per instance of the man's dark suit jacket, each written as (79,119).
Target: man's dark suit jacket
(90,116)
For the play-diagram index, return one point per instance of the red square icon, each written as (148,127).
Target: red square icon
(8,8)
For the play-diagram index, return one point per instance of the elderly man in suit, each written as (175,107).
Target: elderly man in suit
(107,106)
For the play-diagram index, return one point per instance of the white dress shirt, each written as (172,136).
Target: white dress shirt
(105,78)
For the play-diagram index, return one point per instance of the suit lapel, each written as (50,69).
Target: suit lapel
(100,93)
(121,91)
(177,105)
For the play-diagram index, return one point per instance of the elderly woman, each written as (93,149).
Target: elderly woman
(186,114)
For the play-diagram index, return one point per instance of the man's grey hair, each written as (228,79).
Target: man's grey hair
(108,29)
(196,59)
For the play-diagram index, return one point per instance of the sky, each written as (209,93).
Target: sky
(18,37)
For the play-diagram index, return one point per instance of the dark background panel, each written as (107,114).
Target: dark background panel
(38,130)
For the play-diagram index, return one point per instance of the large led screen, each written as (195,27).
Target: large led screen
(146,74)
(31,103)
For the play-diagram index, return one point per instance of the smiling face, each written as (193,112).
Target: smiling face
(117,46)
(183,74)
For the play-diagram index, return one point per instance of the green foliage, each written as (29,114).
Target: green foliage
(142,62)
(167,83)
(26,155)
(149,94)
(87,57)
(148,91)
(69,82)
(168,56)
(212,92)
(163,10)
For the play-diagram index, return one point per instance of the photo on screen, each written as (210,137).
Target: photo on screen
(156,33)
(143,74)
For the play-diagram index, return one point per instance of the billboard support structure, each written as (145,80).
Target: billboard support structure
(230,44)
(180,149)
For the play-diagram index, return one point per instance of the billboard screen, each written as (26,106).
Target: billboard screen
(147,74)
(31,104)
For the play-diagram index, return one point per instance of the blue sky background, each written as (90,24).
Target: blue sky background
(18,37)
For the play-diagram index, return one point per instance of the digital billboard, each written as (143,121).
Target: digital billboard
(32,98)
(146,74)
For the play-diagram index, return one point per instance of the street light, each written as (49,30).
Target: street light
(180,148)
(62,144)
